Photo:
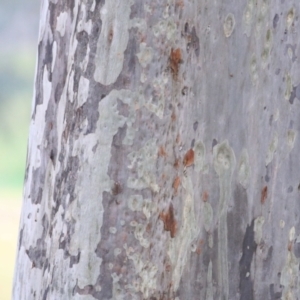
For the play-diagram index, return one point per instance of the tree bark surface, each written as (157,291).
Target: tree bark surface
(163,154)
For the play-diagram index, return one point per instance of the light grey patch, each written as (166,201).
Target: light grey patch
(229,24)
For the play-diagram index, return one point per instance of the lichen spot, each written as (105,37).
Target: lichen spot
(290,17)
(224,158)
(175,60)
(189,158)
(229,25)
(168,219)
(264,195)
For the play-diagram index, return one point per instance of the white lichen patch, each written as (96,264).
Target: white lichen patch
(145,271)
(258,229)
(156,101)
(145,55)
(61,23)
(139,23)
(291,137)
(248,16)
(135,202)
(199,152)
(229,24)
(272,149)
(179,246)
(289,87)
(244,169)
(112,41)
(144,161)
(139,231)
(166,28)
(289,278)
(224,164)
(290,17)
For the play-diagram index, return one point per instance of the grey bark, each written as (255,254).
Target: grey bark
(163,152)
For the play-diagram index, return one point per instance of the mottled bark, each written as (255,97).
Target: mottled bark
(163,152)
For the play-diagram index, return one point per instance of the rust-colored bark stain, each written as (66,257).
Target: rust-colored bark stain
(290,246)
(162,151)
(173,116)
(205,196)
(178,139)
(175,61)
(176,164)
(176,184)
(189,158)
(264,195)
(199,248)
(169,221)
(117,189)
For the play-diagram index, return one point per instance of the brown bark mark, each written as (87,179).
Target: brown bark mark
(205,196)
(264,195)
(175,61)
(176,184)
(189,158)
(169,221)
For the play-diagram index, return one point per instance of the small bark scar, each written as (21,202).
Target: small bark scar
(169,221)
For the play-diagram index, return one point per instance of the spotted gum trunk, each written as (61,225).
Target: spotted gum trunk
(163,158)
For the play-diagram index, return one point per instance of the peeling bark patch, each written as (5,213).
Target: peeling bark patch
(169,221)
(249,248)
(175,61)
(189,158)
(264,195)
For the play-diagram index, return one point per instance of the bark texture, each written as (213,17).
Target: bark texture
(163,154)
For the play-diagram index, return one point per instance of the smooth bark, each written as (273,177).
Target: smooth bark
(163,158)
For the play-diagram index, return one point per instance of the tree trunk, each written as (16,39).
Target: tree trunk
(163,152)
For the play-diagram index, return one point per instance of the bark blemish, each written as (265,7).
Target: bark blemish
(169,221)
(229,25)
(175,60)
(189,158)
(264,195)
(176,184)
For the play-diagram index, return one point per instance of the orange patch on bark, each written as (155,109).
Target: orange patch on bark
(176,184)
(175,61)
(162,151)
(205,196)
(169,221)
(173,116)
(199,248)
(264,195)
(189,158)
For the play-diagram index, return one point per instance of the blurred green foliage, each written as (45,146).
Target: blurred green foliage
(16,82)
